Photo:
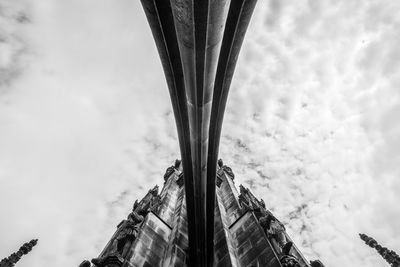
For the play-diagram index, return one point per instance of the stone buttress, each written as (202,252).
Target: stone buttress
(156,231)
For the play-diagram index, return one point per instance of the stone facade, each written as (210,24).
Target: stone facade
(157,235)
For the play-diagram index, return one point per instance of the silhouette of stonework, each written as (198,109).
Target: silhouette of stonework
(199,218)
(246,232)
(389,255)
(15,257)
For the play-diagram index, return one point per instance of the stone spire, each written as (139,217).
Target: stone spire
(389,255)
(15,257)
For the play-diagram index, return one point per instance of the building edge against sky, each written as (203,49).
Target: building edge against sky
(155,233)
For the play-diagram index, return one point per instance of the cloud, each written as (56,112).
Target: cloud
(13,48)
(314,102)
(86,127)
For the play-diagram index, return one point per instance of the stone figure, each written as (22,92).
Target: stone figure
(220,163)
(244,202)
(150,202)
(177,164)
(316,263)
(229,171)
(170,170)
(289,261)
(226,169)
(154,191)
(85,264)
(276,231)
(154,203)
(262,203)
(128,231)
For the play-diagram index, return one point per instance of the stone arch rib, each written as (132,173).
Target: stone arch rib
(198,42)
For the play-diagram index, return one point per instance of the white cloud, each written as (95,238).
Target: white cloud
(313,109)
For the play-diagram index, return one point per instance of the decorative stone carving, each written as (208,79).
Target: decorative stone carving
(289,261)
(218,181)
(262,203)
(150,202)
(85,263)
(226,169)
(244,202)
(127,232)
(180,181)
(229,171)
(170,170)
(275,230)
(220,163)
(243,198)
(154,191)
(109,261)
(316,263)
(177,164)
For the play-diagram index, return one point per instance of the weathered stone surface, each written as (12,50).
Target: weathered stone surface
(241,237)
(198,43)
(15,257)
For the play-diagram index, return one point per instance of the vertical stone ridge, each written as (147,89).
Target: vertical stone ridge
(194,31)
(176,254)
(169,195)
(224,252)
(162,23)
(248,245)
(237,20)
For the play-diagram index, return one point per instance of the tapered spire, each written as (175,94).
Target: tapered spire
(15,257)
(389,255)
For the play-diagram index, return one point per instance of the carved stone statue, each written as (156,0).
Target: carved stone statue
(289,261)
(229,171)
(220,163)
(177,164)
(128,231)
(85,264)
(170,170)
(262,203)
(316,263)
(226,169)
(244,202)
(276,231)
(154,191)
(154,203)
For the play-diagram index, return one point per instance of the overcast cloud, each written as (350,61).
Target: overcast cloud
(311,126)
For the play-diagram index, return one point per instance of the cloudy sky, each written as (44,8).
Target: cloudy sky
(312,124)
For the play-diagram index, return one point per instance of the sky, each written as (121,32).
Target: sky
(311,125)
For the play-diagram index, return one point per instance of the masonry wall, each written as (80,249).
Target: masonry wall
(239,239)
(248,245)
